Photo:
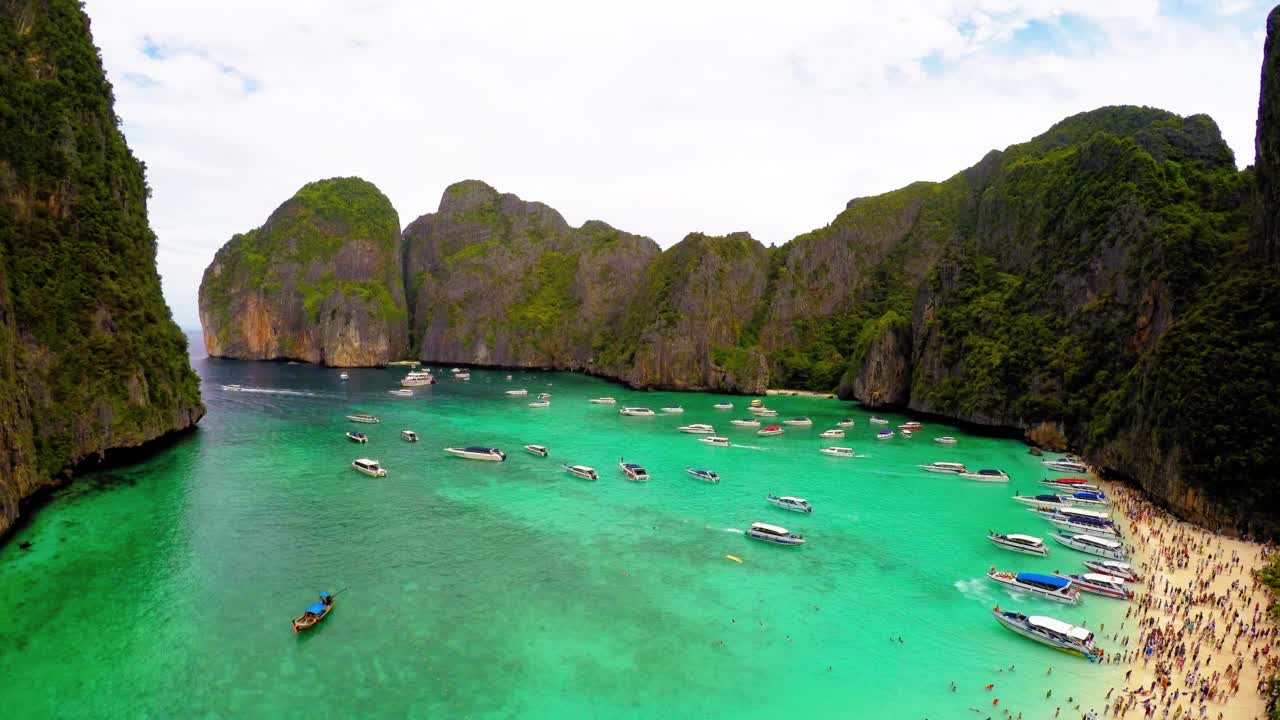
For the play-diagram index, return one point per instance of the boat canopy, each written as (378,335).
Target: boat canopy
(1103,579)
(1049,498)
(1060,627)
(632,466)
(886,431)
(316,609)
(788,498)
(772,529)
(704,471)
(1038,579)
(990,472)
(1071,481)
(1100,542)
(367,462)
(478,449)
(1025,538)
(1088,495)
(1085,513)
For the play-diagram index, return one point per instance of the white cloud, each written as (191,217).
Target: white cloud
(660,118)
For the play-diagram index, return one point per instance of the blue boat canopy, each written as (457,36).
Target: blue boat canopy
(633,466)
(1049,498)
(1088,495)
(324,595)
(317,608)
(1050,580)
(885,432)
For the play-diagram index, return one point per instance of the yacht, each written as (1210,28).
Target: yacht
(1049,587)
(1100,584)
(912,426)
(540,404)
(746,422)
(538,450)
(402,392)
(636,411)
(1043,501)
(844,452)
(952,468)
(697,429)
(885,434)
(417,378)
(363,418)
(773,534)
(723,406)
(798,422)
(476,452)
(987,475)
(1062,465)
(1122,570)
(582,471)
(847,422)
(344,376)
(633,471)
(1070,484)
(408,436)
(1093,545)
(1082,524)
(518,393)
(714,441)
(787,502)
(710,476)
(1025,544)
(770,430)
(603,401)
(833,434)
(878,420)
(369,467)
(1056,634)
(357,437)
(673,409)
(945,440)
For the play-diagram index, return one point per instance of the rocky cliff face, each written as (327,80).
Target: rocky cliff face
(496,280)
(90,359)
(1266,237)
(320,281)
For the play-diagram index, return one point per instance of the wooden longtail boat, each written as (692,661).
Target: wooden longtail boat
(314,614)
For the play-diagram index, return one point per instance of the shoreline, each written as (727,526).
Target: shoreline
(800,393)
(1198,634)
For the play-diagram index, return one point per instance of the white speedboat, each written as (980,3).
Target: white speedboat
(878,420)
(1122,570)
(949,468)
(697,429)
(770,430)
(1093,545)
(847,422)
(408,436)
(673,409)
(1062,465)
(518,393)
(633,471)
(1045,501)
(987,475)
(368,467)
(476,452)
(745,422)
(945,440)
(844,452)
(710,476)
(582,471)
(1082,524)
(462,376)
(1049,587)
(798,422)
(455,370)
(1073,511)
(714,440)
(363,418)
(1056,634)
(787,502)
(402,392)
(773,534)
(912,426)
(766,412)
(538,450)
(357,437)
(832,434)
(540,404)
(885,434)
(723,406)
(1070,484)
(1099,584)
(905,433)
(636,411)
(603,401)
(1025,544)
(544,396)
(343,376)
(758,409)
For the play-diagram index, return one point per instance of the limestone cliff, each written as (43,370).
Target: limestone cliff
(90,358)
(496,280)
(320,281)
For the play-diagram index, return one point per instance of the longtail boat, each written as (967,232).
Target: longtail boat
(314,614)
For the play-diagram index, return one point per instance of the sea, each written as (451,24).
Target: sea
(470,589)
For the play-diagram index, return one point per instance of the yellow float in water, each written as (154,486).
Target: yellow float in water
(734,558)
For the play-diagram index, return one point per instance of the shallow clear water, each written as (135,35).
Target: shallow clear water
(515,590)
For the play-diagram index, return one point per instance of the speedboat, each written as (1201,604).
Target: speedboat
(544,396)
(1050,587)
(462,376)
(770,430)
(844,452)
(673,409)
(832,434)
(987,475)
(344,376)
(945,440)
(582,471)
(455,371)
(1043,501)
(710,476)
(1025,544)
(540,404)
(538,450)
(912,426)
(232,388)
(1070,484)
(1062,465)
(951,468)
(357,437)
(402,392)
(746,422)
(603,401)
(1093,545)
(799,422)
(1091,498)
(1122,570)
(885,434)
(409,436)
(904,432)
(633,471)
(714,440)
(1056,634)
(508,377)
(773,534)
(697,429)
(878,420)
(847,422)
(766,412)
(369,467)
(787,502)
(636,411)
(476,452)
(723,406)
(363,418)
(1100,584)
(1082,524)
(518,393)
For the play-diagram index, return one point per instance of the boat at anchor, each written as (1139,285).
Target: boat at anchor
(1049,631)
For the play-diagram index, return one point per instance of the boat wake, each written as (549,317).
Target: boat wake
(974,588)
(732,530)
(747,447)
(269,391)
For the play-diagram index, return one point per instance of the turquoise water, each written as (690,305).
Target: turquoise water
(515,590)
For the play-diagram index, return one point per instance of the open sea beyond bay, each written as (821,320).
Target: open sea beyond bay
(504,590)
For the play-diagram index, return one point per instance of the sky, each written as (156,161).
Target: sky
(660,118)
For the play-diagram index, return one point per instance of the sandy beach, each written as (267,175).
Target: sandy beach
(799,393)
(1198,640)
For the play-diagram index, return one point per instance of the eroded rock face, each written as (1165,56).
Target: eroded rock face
(320,281)
(1266,239)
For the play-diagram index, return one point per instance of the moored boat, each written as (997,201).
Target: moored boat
(1099,584)
(912,426)
(1089,498)
(477,452)
(673,409)
(583,471)
(745,422)
(904,432)
(462,376)
(885,434)
(344,376)
(363,418)
(878,420)
(1025,544)
(517,393)
(770,430)
(949,468)
(697,429)
(714,440)
(987,475)
(773,534)
(1043,501)
(633,471)
(723,406)
(357,437)
(1088,525)
(402,392)
(1070,484)
(417,378)
(1056,634)
(832,434)
(1049,587)
(314,613)
(603,401)
(540,404)
(636,411)
(788,502)
(845,423)
(705,475)
(408,436)
(1062,465)
(844,452)
(538,450)
(1122,570)
(368,467)
(1093,545)
(945,440)
(798,422)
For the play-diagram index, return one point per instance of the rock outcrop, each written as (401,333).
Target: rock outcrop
(320,281)
(1266,237)
(90,358)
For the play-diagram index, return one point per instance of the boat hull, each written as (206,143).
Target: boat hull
(487,457)
(307,622)
(1116,554)
(1014,624)
(999,542)
(774,539)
